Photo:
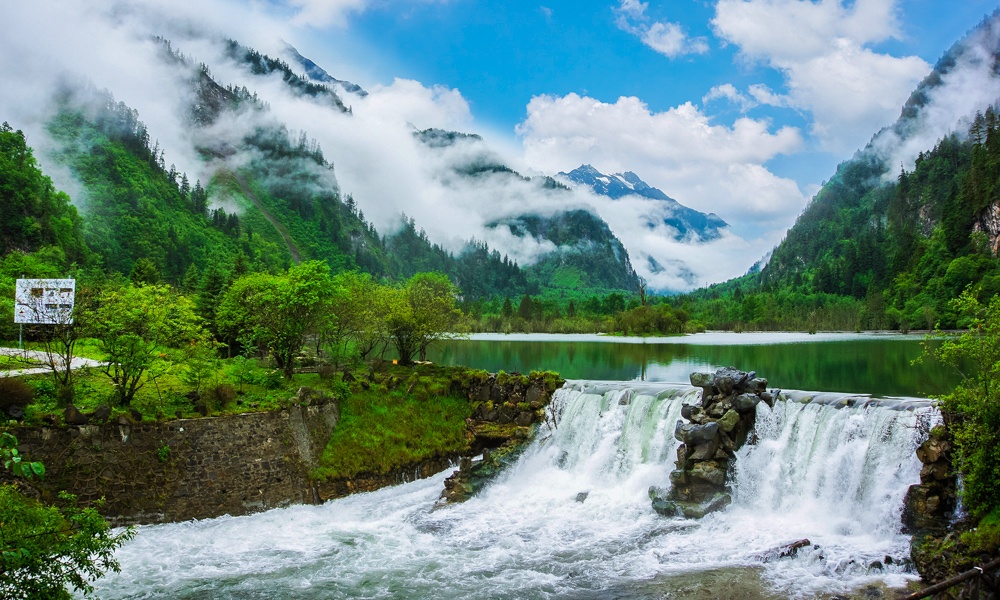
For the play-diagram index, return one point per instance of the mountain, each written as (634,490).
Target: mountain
(317,74)
(587,255)
(576,248)
(271,198)
(901,244)
(689,224)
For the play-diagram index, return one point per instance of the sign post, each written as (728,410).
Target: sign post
(44,302)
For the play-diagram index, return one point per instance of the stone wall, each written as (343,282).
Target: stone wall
(187,468)
(157,472)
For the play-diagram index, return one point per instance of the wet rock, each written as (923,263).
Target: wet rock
(744,403)
(582,497)
(703,451)
(101,413)
(690,411)
(697,510)
(709,471)
(729,421)
(72,416)
(696,434)
(932,450)
(702,380)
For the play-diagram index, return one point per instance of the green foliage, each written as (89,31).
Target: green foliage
(135,326)
(278,311)
(424,312)
(973,408)
(46,549)
(381,430)
(32,213)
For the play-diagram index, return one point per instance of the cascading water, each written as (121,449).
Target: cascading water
(572,518)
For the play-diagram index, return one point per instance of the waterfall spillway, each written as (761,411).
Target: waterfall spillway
(572,517)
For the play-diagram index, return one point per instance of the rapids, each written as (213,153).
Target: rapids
(832,468)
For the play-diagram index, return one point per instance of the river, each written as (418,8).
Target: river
(820,469)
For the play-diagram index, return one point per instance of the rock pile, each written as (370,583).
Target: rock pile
(929,505)
(716,429)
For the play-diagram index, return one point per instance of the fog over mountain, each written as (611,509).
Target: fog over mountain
(376,158)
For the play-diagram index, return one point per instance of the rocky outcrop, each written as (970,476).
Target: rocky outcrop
(505,416)
(930,505)
(715,429)
(988,222)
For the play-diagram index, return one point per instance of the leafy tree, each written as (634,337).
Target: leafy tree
(425,314)
(359,315)
(276,312)
(973,408)
(134,325)
(44,550)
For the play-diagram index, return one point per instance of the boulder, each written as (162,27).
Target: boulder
(697,510)
(695,434)
(72,416)
(703,451)
(729,421)
(710,471)
(702,380)
(746,402)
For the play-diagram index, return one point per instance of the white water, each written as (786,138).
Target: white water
(834,475)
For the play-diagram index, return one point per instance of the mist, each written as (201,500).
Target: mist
(376,157)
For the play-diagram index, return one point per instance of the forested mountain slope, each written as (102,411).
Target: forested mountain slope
(885,247)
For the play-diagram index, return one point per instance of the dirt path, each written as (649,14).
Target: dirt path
(40,357)
(292,248)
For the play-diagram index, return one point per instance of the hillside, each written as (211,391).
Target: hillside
(889,247)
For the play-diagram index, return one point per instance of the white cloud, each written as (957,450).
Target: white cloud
(820,47)
(709,167)
(728,91)
(321,13)
(669,39)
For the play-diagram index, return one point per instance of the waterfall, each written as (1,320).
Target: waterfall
(572,519)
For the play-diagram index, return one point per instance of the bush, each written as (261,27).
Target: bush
(325,372)
(15,394)
(973,408)
(222,395)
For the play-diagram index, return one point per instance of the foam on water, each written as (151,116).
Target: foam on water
(827,469)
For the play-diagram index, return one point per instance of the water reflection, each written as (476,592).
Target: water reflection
(873,364)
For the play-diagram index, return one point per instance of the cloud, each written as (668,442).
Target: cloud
(319,14)
(820,48)
(669,39)
(709,167)
(728,91)
(969,85)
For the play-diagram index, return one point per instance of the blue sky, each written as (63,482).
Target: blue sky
(737,107)
(500,55)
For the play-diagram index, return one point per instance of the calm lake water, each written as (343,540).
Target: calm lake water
(878,364)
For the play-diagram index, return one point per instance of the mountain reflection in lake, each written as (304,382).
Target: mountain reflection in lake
(877,364)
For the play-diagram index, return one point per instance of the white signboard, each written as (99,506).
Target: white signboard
(44,301)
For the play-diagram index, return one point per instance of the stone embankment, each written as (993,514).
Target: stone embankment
(155,472)
(506,411)
(177,470)
(715,429)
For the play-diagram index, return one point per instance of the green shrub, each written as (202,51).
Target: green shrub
(15,394)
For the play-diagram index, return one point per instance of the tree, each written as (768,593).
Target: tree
(358,316)
(276,312)
(46,549)
(426,312)
(133,325)
(972,410)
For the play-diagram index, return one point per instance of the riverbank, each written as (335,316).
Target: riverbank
(355,431)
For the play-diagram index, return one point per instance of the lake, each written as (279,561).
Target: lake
(872,363)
